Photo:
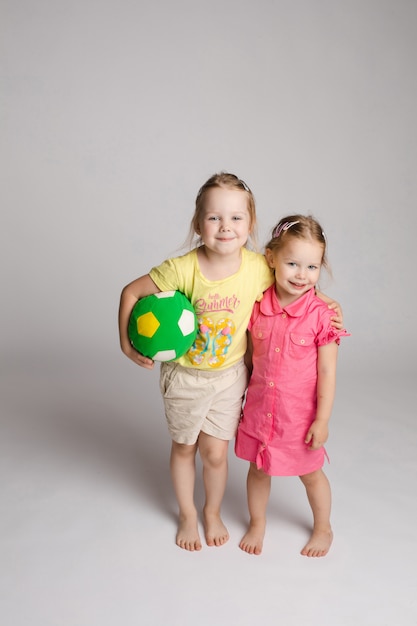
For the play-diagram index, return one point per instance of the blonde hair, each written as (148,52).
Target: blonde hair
(227,181)
(298,227)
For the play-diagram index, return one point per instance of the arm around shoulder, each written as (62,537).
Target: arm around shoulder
(337,318)
(134,291)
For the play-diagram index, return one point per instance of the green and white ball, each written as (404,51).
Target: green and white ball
(163,326)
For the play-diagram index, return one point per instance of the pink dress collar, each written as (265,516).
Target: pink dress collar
(270,304)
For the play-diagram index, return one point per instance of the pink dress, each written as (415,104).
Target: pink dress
(281,399)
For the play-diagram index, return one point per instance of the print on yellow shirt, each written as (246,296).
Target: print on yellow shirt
(213,341)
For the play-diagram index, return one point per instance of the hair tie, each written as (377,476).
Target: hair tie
(281,227)
(242,182)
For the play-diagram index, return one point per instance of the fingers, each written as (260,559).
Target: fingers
(146,363)
(312,442)
(141,360)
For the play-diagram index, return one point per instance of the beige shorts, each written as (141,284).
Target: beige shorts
(202,401)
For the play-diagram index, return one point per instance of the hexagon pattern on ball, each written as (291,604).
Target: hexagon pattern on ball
(163,326)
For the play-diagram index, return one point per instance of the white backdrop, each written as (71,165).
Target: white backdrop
(114,114)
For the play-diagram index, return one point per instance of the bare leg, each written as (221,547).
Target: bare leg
(320,499)
(213,454)
(183,479)
(259,488)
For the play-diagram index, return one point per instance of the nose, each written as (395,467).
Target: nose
(224,226)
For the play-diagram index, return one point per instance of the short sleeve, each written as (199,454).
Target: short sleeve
(177,273)
(165,276)
(329,334)
(254,315)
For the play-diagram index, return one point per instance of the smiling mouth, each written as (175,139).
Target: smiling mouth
(297,285)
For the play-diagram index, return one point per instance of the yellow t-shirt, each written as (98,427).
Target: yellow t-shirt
(223,307)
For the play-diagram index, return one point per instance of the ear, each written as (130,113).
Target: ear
(269,258)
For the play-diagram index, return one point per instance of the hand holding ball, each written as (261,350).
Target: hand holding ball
(163,326)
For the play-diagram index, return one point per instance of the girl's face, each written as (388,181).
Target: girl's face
(225,226)
(297,268)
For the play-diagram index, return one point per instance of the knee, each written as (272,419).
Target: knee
(311,479)
(258,474)
(183,450)
(214,457)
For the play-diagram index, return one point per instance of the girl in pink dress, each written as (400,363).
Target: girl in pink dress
(291,390)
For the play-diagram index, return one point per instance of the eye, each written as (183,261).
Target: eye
(312,267)
(213,218)
(237,218)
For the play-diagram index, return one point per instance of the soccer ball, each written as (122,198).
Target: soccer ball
(163,326)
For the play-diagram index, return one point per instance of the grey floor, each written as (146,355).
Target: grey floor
(88,515)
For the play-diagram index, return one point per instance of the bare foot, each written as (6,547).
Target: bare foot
(319,543)
(187,535)
(253,541)
(215,531)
